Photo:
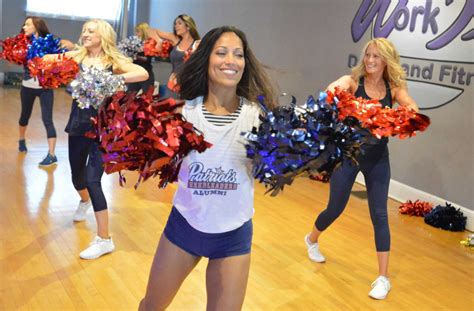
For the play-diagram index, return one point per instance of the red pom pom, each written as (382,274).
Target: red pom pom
(322,177)
(382,122)
(417,208)
(149,48)
(166,47)
(187,54)
(144,134)
(15,49)
(173,84)
(52,74)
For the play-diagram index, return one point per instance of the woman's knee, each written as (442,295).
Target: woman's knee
(380,218)
(23,121)
(327,217)
(79,183)
(94,186)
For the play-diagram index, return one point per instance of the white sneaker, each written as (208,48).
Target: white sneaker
(380,288)
(313,250)
(81,212)
(97,248)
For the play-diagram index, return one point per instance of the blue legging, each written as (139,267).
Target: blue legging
(87,169)
(375,167)
(46,98)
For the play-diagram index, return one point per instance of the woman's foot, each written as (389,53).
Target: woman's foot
(81,211)
(313,250)
(380,288)
(49,160)
(97,248)
(22,146)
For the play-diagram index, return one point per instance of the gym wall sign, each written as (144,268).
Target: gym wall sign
(435,41)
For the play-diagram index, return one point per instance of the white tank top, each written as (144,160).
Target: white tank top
(215,188)
(31,83)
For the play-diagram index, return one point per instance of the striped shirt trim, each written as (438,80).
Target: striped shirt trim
(219,120)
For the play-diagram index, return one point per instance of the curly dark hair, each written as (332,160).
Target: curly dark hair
(193,76)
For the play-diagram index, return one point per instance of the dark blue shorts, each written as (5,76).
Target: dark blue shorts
(212,245)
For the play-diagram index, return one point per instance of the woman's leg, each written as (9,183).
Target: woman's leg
(27,97)
(95,170)
(171,265)
(84,194)
(78,150)
(341,183)
(226,282)
(382,258)
(46,102)
(377,178)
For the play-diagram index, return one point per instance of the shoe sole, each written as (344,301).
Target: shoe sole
(46,165)
(91,258)
(316,260)
(378,298)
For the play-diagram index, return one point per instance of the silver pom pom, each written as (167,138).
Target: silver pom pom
(93,85)
(130,46)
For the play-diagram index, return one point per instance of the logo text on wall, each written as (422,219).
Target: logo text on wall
(434,39)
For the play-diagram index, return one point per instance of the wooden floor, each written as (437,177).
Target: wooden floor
(40,268)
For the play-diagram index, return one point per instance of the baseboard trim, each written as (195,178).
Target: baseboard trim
(402,193)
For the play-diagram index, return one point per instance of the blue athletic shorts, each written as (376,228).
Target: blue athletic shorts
(212,245)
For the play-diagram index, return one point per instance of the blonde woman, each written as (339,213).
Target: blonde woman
(97,48)
(141,31)
(185,38)
(378,76)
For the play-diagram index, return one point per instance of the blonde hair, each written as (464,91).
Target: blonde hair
(141,31)
(393,72)
(108,37)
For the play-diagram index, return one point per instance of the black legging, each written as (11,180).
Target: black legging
(375,166)
(87,168)
(46,97)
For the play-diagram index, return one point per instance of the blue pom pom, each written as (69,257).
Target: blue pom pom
(40,46)
(296,139)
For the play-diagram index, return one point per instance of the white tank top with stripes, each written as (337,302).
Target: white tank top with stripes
(215,188)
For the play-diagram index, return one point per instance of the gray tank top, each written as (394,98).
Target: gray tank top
(177,57)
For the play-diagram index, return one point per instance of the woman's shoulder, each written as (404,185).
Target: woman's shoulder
(193,102)
(191,105)
(252,110)
(349,80)
(397,90)
(251,105)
